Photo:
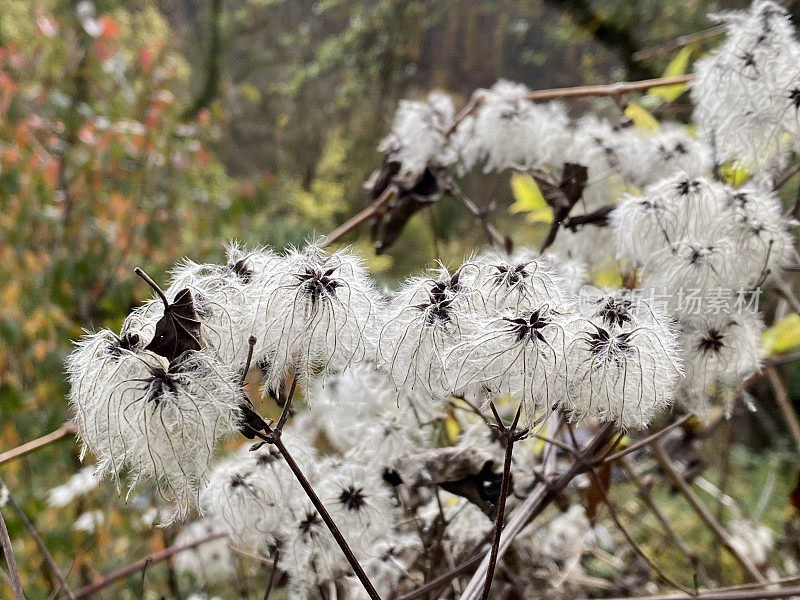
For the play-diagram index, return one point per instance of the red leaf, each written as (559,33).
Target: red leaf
(109,27)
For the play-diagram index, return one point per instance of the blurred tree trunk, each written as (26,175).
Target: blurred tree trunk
(213,61)
(615,36)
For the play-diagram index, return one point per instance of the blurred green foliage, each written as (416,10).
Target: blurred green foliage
(101,169)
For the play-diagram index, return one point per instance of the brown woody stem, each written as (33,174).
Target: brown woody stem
(702,512)
(508,434)
(156,557)
(8,551)
(323,512)
(153,285)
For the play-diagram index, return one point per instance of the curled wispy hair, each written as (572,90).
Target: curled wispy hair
(522,280)
(719,353)
(249,494)
(424,319)
(321,315)
(518,354)
(159,421)
(623,372)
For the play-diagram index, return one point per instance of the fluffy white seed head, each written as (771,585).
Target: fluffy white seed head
(512,132)
(419,134)
(361,411)
(514,353)
(423,321)
(359,501)
(251,493)
(668,151)
(160,422)
(719,354)
(225,298)
(623,365)
(522,280)
(322,315)
(744,90)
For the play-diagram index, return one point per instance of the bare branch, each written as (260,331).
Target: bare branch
(648,440)
(66,430)
(358,219)
(8,551)
(48,558)
(509,435)
(705,515)
(678,42)
(151,559)
(631,542)
(782,398)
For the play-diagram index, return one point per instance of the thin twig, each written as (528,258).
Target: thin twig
(643,488)
(786,176)
(786,592)
(538,499)
(155,557)
(631,542)
(270,438)
(337,535)
(470,107)
(705,515)
(782,398)
(365,214)
(66,430)
(648,440)
(613,89)
(272,573)
(785,291)
(494,236)
(509,436)
(48,558)
(795,211)
(566,447)
(156,288)
(678,42)
(8,551)
(725,471)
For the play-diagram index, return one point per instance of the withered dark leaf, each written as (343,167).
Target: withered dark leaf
(481,488)
(794,497)
(469,472)
(178,330)
(563,195)
(411,197)
(251,420)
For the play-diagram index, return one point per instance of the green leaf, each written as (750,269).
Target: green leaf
(783,336)
(677,66)
(734,174)
(528,198)
(608,278)
(250,92)
(641,118)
